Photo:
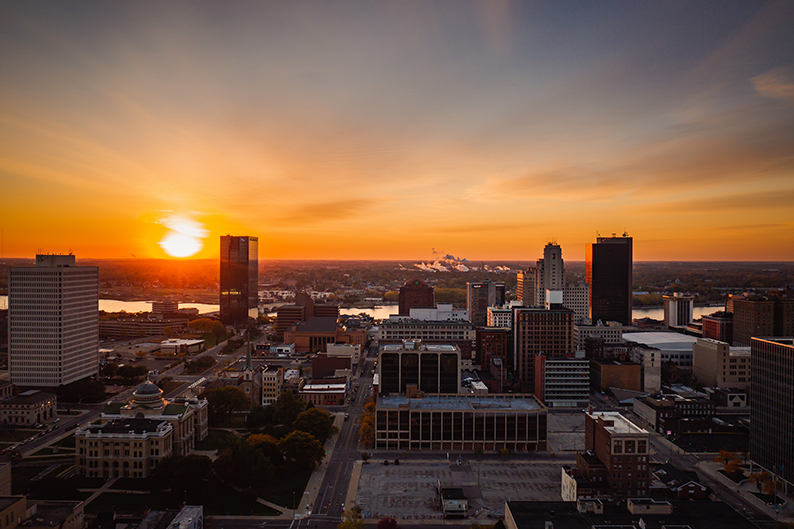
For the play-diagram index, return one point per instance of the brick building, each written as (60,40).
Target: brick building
(415,293)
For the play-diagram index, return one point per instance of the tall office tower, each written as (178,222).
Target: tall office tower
(550,273)
(480,296)
(771,398)
(609,273)
(536,330)
(678,309)
(525,287)
(416,293)
(239,279)
(53,322)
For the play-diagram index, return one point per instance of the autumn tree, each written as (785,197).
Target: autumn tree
(727,458)
(351,519)
(388,523)
(302,449)
(759,478)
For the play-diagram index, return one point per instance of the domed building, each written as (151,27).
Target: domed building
(187,416)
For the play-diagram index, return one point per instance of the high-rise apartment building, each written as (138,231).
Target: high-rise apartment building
(53,322)
(678,309)
(771,401)
(536,331)
(239,279)
(480,296)
(415,293)
(608,270)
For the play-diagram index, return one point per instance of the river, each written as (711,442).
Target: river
(378,312)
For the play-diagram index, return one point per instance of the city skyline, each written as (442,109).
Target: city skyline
(392,130)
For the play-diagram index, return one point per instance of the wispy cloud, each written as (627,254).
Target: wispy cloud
(777,83)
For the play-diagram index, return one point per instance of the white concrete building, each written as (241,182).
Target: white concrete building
(442,312)
(550,273)
(612,334)
(678,309)
(500,316)
(576,296)
(672,346)
(345,349)
(53,322)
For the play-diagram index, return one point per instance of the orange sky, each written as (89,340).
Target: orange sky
(336,130)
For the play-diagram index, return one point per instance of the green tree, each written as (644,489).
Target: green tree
(259,416)
(110,369)
(316,422)
(302,449)
(131,374)
(287,408)
(225,401)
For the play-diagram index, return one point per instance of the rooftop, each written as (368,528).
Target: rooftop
(317,324)
(30,397)
(129,425)
(462,402)
(662,340)
(619,425)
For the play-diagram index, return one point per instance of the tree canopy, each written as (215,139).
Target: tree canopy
(302,449)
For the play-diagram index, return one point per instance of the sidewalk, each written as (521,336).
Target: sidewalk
(745,490)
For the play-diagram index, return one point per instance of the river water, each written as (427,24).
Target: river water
(378,312)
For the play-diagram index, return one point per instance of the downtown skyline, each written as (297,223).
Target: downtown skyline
(389,129)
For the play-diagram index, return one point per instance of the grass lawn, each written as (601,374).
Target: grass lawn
(281,491)
(214,439)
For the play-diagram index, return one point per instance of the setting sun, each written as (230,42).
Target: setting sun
(184,237)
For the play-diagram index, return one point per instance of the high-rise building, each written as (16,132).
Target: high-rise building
(53,322)
(763,316)
(525,287)
(480,296)
(239,279)
(416,293)
(771,398)
(623,448)
(535,331)
(550,273)
(678,309)
(608,270)
(576,297)
(427,368)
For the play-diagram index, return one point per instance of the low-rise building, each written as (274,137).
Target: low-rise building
(180,346)
(655,410)
(345,349)
(330,391)
(611,333)
(187,417)
(500,316)
(428,367)
(130,447)
(460,333)
(719,364)
(462,423)
(673,347)
(28,408)
(605,374)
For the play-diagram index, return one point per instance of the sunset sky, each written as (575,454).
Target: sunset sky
(384,130)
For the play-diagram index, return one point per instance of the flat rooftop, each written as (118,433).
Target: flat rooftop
(462,403)
(426,347)
(621,425)
(662,340)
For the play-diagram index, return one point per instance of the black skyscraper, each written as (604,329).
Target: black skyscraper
(608,270)
(239,278)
